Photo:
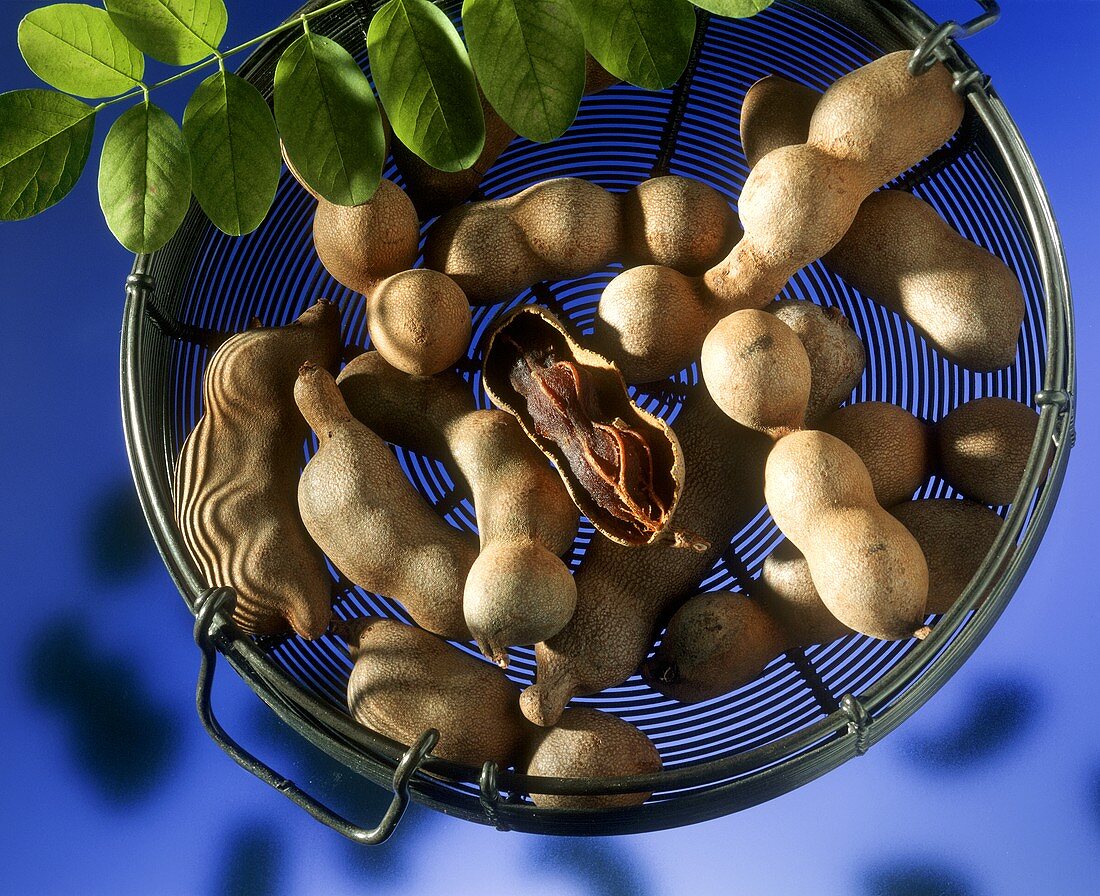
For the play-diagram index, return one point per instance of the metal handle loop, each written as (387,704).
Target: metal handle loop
(925,55)
(210,603)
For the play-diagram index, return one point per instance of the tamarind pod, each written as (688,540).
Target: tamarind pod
(237,472)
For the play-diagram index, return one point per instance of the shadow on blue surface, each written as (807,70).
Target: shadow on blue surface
(996,717)
(598,867)
(354,797)
(915,877)
(1093,798)
(120,737)
(117,544)
(254,862)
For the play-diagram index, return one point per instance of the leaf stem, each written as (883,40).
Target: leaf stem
(219,57)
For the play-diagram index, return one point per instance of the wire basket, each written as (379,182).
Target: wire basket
(811,709)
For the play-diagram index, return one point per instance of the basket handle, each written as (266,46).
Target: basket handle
(208,606)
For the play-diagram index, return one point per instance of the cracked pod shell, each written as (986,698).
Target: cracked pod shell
(533,332)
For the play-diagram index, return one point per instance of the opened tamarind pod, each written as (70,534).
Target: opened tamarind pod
(797,203)
(624,593)
(622,466)
(900,252)
(237,474)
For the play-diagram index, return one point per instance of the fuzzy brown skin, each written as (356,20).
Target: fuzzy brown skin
(757,371)
(955,536)
(775,112)
(868,569)
(679,223)
(786,591)
(870,126)
(363,244)
(524,514)
(587,743)
(837,356)
(555,229)
(435,191)
(983,447)
(237,475)
(714,644)
(892,443)
(964,299)
(901,253)
(623,594)
(419,321)
(360,508)
(406,680)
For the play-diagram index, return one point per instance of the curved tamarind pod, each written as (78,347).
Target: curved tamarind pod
(406,680)
(799,200)
(901,253)
(564,227)
(518,591)
(237,472)
(868,569)
(362,511)
(624,593)
(434,191)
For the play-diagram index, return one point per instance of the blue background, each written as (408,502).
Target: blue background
(110,786)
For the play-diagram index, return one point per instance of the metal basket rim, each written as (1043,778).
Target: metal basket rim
(734,782)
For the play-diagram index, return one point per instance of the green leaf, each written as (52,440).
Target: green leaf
(234,148)
(329,120)
(144,178)
(529,59)
(44,142)
(78,49)
(175,31)
(645,42)
(426,84)
(735,9)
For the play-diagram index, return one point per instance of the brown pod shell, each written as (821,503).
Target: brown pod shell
(892,443)
(419,321)
(836,353)
(532,337)
(775,112)
(757,371)
(360,507)
(955,537)
(868,569)
(983,446)
(237,475)
(588,743)
(678,222)
(715,643)
(786,590)
(406,680)
(362,244)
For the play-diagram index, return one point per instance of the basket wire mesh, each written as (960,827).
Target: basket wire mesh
(812,708)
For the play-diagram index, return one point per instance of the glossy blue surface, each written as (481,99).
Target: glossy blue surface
(110,786)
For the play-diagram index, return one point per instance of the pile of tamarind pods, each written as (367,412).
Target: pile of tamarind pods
(566,439)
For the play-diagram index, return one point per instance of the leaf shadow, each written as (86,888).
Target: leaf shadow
(915,877)
(253,863)
(118,547)
(122,739)
(995,718)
